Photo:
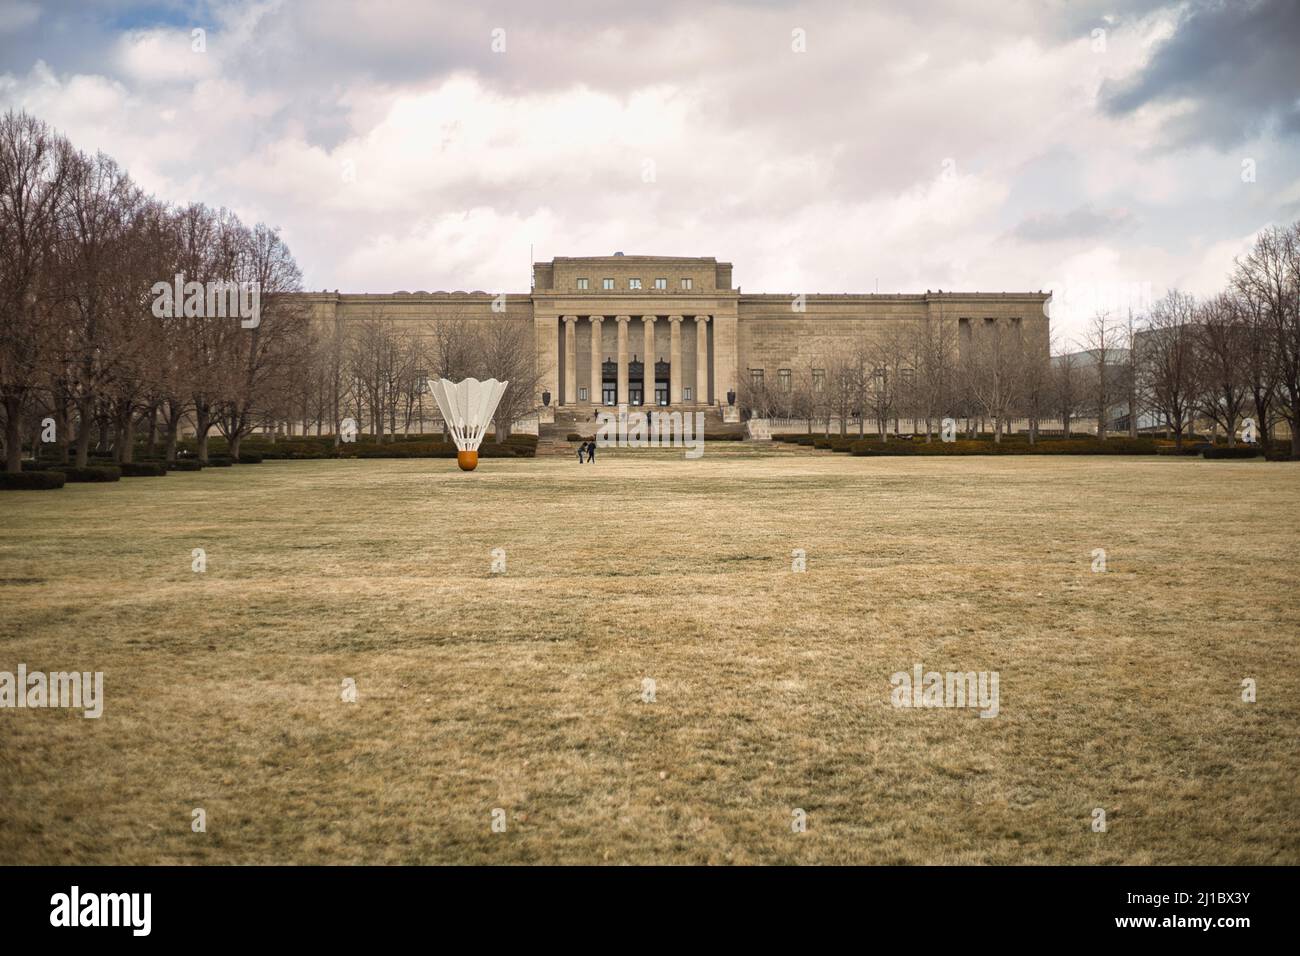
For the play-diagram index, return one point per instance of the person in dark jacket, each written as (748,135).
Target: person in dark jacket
(581,448)
(591,451)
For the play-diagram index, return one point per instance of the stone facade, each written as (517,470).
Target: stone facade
(598,319)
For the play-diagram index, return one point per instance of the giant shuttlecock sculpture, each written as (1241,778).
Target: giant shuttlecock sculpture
(467,408)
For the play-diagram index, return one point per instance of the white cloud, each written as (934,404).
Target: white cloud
(400,152)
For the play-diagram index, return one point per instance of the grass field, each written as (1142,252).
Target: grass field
(524,692)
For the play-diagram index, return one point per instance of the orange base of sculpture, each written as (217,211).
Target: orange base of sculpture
(468,460)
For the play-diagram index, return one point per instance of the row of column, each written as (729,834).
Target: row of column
(648,338)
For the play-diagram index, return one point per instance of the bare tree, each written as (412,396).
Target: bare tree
(260,354)
(933,349)
(1169,369)
(1222,356)
(1066,387)
(1101,343)
(1261,363)
(1128,379)
(994,373)
(508,353)
(1271,273)
(34,164)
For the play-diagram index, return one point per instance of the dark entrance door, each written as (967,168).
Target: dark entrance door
(635,382)
(609,382)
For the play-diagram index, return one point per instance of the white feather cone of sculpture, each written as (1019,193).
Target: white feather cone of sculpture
(467,408)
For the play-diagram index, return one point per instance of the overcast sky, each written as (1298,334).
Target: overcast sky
(1104,150)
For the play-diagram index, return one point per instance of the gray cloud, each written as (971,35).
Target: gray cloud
(1081,223)
(1236,63)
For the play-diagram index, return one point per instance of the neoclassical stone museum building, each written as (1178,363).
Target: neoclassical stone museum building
(671,331)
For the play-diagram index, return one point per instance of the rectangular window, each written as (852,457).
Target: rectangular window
(607,284)
(661,283)
(756,377)
(688,393)
(687,283)
(421,381)
(819,379)
(582,284)
(634,283)
(784,378)
(582,394)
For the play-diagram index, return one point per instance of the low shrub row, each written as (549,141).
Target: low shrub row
(1111,446)
(1237,451)
(31,480)
(510,448)
(143,469)
(90,472)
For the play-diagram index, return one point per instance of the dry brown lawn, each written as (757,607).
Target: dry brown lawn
(524,692)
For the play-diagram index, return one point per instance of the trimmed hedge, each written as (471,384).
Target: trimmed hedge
(218,461)
(507,449)
(185,464)
(1237,451)
(31,480)
(249,458)
(90,472)
(142,469)
(1115,446)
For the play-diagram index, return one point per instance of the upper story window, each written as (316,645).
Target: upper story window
(756,377)
(687,283)
(582,284)
(783,377)
(607,284)
(661,283)
(819,379)
(634,283)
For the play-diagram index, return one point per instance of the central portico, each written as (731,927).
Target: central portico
(635,330)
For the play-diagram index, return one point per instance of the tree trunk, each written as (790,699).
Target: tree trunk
(169,444)
(202,424)
(13,434)
(1295,425)
(127,454)
(84,425)
(151,448)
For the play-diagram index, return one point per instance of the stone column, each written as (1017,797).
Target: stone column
(597,361)
(725,359)
(675,357)
(570,359)
(702,359)
(547,335)
(622,320)
(648,366)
